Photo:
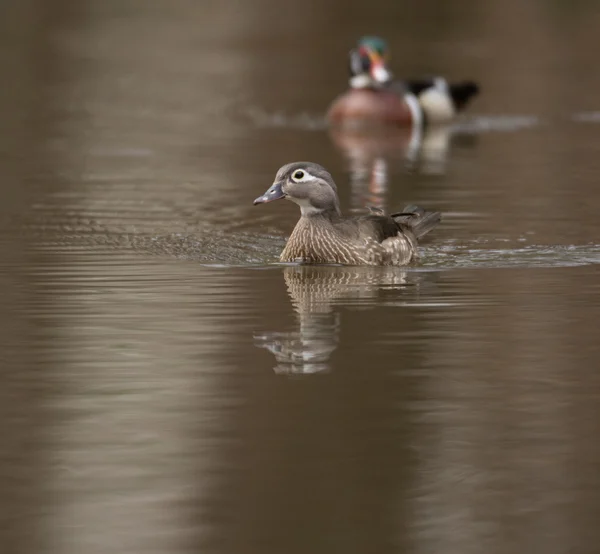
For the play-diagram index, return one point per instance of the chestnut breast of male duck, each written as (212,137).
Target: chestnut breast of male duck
(365,106)
(324,236)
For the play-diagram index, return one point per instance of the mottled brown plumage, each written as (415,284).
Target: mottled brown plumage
(324,236)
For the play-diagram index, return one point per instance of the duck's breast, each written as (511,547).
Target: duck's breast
(369,106)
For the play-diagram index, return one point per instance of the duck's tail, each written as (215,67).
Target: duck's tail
(418,220)
(462,92)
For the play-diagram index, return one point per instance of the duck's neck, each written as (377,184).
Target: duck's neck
(365,81)
(311,212)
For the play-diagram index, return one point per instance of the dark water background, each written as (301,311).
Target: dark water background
(165,387)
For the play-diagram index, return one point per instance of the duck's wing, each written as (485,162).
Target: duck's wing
(412,220)
(417,86)
(417,220)
(374,226)
(379,239)
(461,92)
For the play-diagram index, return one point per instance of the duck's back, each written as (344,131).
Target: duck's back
(373,226)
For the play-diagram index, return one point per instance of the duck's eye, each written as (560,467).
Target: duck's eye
(298,175)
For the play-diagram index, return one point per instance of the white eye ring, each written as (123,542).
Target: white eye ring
(301,176)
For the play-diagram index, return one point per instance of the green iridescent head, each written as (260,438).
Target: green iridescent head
(375,44)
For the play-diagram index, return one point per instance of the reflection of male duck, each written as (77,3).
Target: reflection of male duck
(314,292)
(373,156)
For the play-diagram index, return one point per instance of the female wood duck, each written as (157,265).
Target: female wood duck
(324,236)
(374,96)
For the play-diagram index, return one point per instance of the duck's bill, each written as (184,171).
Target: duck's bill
(274,192)
(379,72)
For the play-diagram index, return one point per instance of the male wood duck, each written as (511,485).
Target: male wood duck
(375,97)
(324,236)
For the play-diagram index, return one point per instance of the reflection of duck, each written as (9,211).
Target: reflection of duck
(433,153)
(307,349)
(314,292)
(426,149)
(375,97)
(370,155)
(373,154)
(323,235)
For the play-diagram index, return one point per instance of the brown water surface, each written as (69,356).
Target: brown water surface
(166,387)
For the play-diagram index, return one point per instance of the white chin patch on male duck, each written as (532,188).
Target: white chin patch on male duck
(381,74)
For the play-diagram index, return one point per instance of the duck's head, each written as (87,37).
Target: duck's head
(368,63)
(307,184)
